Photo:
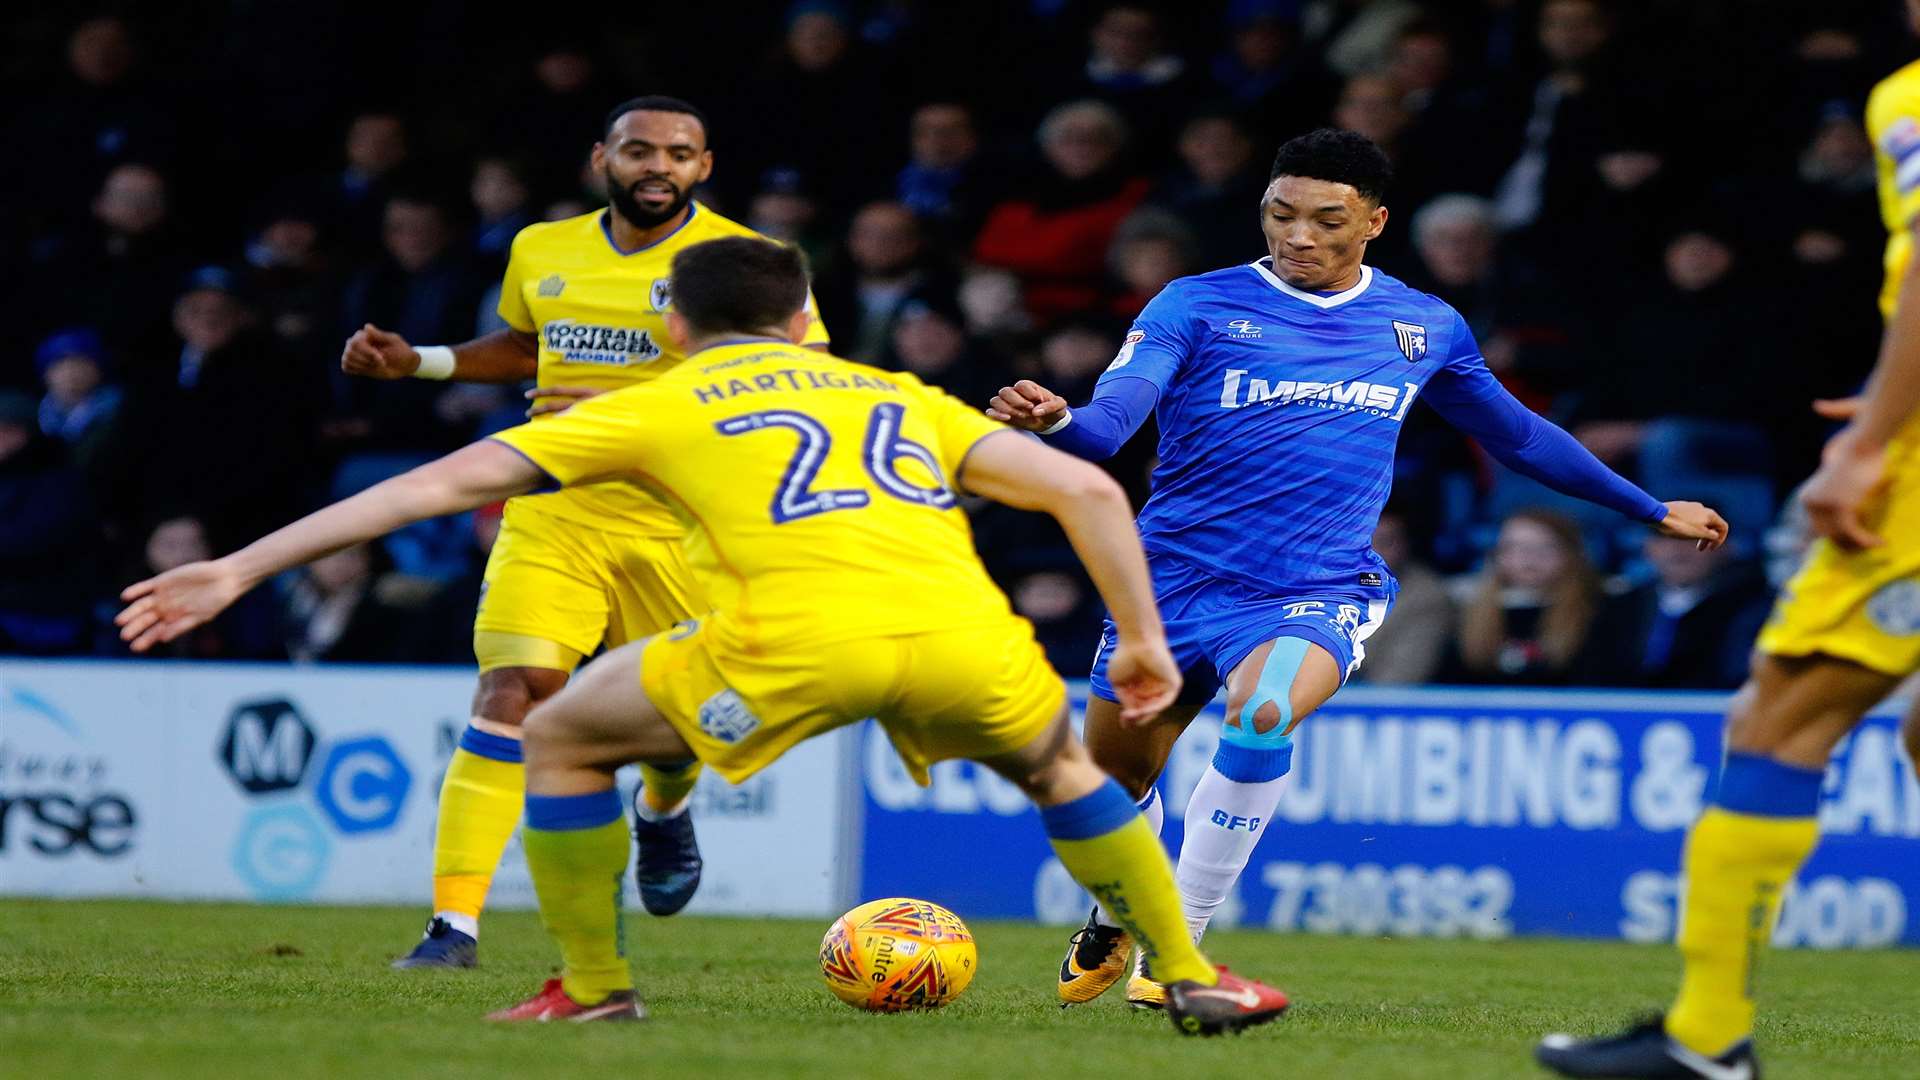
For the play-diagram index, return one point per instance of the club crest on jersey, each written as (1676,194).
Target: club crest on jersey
(1242,328)
(662,293)
(1413,340)
(552,285)
(1125,355)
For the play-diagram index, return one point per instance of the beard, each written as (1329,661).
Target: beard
(622,200)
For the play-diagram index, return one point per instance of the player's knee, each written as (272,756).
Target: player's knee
(546,732)
(506,695)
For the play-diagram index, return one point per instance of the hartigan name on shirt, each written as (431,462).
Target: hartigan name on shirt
(790,379)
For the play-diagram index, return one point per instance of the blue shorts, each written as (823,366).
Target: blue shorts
(1212,624)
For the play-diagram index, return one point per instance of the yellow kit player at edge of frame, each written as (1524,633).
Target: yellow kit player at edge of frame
(600,316)
(832,548)
(1864,606)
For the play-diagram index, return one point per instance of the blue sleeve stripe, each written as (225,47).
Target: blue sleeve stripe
(1759,785)
(567,813)
(1097,813)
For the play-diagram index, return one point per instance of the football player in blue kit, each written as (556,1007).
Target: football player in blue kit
(1280,388)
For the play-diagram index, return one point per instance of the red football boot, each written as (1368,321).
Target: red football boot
(552,1003)
(1232,1004)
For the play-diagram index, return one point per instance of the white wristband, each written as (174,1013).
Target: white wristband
(1065,418)
(436,362)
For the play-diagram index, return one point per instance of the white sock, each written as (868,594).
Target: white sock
(1225,818)
(1155,812)
(461,921)
(648,813)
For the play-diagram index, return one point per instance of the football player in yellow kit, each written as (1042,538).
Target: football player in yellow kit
(1844,633)
(820,500)
(585,302)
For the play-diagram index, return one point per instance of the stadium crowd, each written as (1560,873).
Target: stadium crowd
(200,213)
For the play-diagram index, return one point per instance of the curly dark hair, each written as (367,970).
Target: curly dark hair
(1342,157)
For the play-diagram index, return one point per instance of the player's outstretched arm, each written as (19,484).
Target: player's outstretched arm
(1098,521)
(504,356)
(162,608)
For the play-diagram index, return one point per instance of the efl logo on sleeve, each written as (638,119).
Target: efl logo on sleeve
(1125,355)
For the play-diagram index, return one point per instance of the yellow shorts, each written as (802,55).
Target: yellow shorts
(555,589)
(976,692)
(1862,606)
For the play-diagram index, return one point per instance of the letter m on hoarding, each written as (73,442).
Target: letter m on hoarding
(267,745)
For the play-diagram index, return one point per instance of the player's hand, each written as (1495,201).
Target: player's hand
(1692,521)
(378,354)
(1845,408)
(1027,405)
(557,399)
(1144,678)
(162,608)
(1851,473)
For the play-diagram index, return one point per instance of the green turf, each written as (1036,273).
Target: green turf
(162,990)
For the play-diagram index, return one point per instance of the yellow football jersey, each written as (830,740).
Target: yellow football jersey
(600,314)
(1893,123)
(818,494)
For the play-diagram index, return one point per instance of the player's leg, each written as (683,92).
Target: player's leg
(1104,842)
(1275,687)
(576,835)
(542,610)
(652,591)
(1759,826)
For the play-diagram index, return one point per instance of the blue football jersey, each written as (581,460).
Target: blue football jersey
(1279,412)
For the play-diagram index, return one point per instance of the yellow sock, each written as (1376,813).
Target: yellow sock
(480,803)
(1106,845)
(577,850)
(1738,863)
(664,787)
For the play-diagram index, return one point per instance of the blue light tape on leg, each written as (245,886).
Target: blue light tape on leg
(1250,757)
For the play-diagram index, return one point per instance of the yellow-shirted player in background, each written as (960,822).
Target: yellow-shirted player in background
(585,302)
(820,499)
(1844,634)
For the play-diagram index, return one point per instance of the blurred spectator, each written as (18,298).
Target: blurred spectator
(551,115)
(1356,35)
(1055,234)
(1693,626)
(81,406)
(794,111)
(249,630)
(1699,330)
(1217,190)
(1410,646)
(1065,612)
(116,272)
(1533,607)
(333,610)
(99,114)
(295,284)
(944,181)
(1266,72)
(220,425)
(1130,67)
(886,263)
(993,303)
(1375,106)
(1150,249)
(502,205)
(355,198)
(785,209)
(930,340)
(425,291)
(444,626)
(46,548)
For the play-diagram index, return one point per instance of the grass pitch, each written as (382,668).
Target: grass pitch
(127,989)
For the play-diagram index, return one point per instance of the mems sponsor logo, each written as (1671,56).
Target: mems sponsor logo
(586,343)
(1239,389)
